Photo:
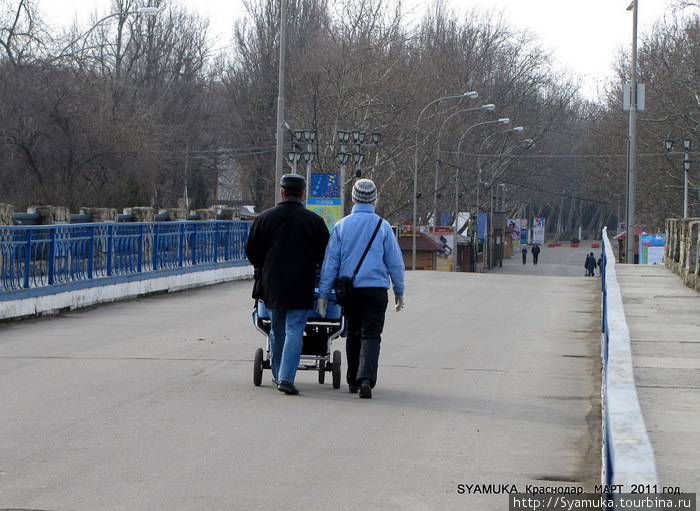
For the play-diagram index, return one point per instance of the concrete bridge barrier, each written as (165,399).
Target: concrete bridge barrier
(628,457)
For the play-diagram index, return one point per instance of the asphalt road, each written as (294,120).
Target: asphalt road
(485,380)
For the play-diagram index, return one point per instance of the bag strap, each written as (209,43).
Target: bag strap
(374,235)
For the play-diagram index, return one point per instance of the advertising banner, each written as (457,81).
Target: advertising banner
(482,222)
(328,209)
(515,234)
(523,231)
(538,230)
(325,185)
(324,198)
(444,236)
(651,248)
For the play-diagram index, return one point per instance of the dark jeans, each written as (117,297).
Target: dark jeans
(365,317)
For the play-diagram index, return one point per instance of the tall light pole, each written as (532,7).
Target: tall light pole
(489,106)
(279,148)
(472,94)
(632,150)
(503,120)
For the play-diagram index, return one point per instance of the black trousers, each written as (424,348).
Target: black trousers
(365,317)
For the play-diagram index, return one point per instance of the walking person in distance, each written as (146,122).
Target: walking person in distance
(285,246)
(382,266)
(590,265)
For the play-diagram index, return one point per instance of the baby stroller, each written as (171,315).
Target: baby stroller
(319,333)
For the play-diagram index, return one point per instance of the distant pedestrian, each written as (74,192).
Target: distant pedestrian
(524,252)
(590,265)
(535,253)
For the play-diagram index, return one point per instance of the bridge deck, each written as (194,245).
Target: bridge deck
(485,380)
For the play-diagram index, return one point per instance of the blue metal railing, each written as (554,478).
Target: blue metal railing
(41,256)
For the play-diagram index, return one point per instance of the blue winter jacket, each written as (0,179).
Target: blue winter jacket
(348,241)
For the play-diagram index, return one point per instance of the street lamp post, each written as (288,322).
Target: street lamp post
(343,157)
(279,148)
(503,120)
(687,162)
(358,138)
(309,137)
(376,139)
(632,151)
(472,94)
(687,146)
(489,106)
(294,157)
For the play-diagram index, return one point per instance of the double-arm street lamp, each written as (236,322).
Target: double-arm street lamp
(472,94)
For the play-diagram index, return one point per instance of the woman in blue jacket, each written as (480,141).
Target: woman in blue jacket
(382,266)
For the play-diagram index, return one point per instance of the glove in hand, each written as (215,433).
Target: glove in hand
(321,307)
(399,303)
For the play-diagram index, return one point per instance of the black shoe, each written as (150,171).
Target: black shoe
(287,388)
(354,389)
(365,390)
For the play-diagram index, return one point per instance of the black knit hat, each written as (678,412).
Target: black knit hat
(293,182)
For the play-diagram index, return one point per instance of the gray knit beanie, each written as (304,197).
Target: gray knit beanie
(364,191)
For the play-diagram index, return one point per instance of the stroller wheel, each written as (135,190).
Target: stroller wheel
(258,367)
(321,371)
(335,367)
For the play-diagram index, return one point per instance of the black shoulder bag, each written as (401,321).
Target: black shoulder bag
(344,286)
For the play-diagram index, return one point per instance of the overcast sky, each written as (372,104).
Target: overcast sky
(583,35)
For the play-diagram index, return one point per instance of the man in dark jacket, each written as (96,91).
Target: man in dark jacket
(285,245)
(590,265)
(535,253)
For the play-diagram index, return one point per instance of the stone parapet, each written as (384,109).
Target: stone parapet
(7,212)
(682,251)
(141,214)
(205,214)
(230,214)
(100,214)
(51,214)
(176,214)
